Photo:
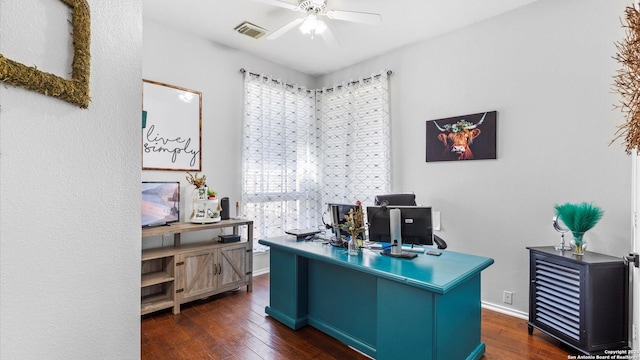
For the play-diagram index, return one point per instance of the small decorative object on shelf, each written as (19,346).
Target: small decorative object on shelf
(196,181)
(205,205)
(579,218)
(561,229)
(212,194)
(354,225)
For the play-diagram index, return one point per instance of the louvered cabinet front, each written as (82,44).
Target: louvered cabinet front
(557,300)
(579,300)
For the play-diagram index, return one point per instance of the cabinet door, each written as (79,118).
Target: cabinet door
(232,261)
(196,274)
(557,302)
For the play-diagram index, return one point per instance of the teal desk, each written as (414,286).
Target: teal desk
(422,308)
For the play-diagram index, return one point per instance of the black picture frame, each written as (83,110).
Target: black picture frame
(467,137)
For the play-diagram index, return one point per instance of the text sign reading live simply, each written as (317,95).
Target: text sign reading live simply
(171,134)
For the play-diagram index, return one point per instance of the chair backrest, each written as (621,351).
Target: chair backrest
(396,199)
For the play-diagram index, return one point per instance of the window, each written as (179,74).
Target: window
(280,171)
(304,148)
(355,140)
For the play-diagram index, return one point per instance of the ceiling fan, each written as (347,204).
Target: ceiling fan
(312,25)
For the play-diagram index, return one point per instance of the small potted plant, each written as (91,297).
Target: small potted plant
(212,194)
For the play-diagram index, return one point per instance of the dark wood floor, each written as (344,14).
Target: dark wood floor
(234,326)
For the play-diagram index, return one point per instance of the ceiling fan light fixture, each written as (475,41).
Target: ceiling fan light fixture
(309,24)
(312,25)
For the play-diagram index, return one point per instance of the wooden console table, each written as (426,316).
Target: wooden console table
(174,275)
(388,308)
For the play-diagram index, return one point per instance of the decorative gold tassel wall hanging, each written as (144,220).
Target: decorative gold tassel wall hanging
(627,81)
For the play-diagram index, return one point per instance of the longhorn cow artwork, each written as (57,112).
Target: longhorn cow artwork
(469,137)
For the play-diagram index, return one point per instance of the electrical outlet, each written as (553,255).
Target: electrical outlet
(507,297)
(634,332)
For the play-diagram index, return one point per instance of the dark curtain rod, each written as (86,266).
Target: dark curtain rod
(244,71)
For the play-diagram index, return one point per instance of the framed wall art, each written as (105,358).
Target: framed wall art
(76,90)
(172,132)
(468,137)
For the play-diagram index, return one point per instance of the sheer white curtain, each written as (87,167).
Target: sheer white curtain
(280,183)
(354,135)
(305,148)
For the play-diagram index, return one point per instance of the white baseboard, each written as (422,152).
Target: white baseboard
(260,262)
(504,310)
(261,272)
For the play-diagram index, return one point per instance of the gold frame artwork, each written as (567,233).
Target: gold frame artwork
(76,90)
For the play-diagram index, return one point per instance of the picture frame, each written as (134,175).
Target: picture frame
(172,132)
(467,137)
(74,91)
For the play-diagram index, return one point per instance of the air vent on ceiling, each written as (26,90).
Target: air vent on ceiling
(251,30)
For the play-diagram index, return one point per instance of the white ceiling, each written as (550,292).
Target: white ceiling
(404,22)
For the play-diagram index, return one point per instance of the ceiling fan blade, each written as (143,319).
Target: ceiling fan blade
(359,17)
(276,34)
(329,38)
(282,4)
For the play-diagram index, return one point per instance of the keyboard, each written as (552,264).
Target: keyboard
(415,249)
(300,234)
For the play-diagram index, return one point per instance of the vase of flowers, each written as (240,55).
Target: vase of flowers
(200,185)
(354,225)
(579,218)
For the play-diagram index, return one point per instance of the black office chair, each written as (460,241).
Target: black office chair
(405,200)
(395,200)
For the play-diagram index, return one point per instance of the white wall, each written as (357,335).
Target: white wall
(177,58)
(70,189)
(547,69)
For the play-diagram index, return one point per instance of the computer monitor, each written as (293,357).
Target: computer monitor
(160,202)
(395,199)
(416,225)
(339,214)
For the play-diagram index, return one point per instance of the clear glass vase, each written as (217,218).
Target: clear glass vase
(579,246)
(352,247)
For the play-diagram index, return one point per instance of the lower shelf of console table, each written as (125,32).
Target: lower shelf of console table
(174,275)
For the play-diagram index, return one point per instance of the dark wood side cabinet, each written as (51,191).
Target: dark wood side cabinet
(580,300)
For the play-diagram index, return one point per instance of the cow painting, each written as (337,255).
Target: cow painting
(462,138)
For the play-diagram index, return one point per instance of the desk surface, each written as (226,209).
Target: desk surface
(438,274)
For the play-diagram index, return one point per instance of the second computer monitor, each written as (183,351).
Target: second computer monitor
(405,199)
(416,224)
(339,214)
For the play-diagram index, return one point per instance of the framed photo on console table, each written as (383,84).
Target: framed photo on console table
(172,132)
(468,137)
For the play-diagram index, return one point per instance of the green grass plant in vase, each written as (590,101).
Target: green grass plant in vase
(579,218)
